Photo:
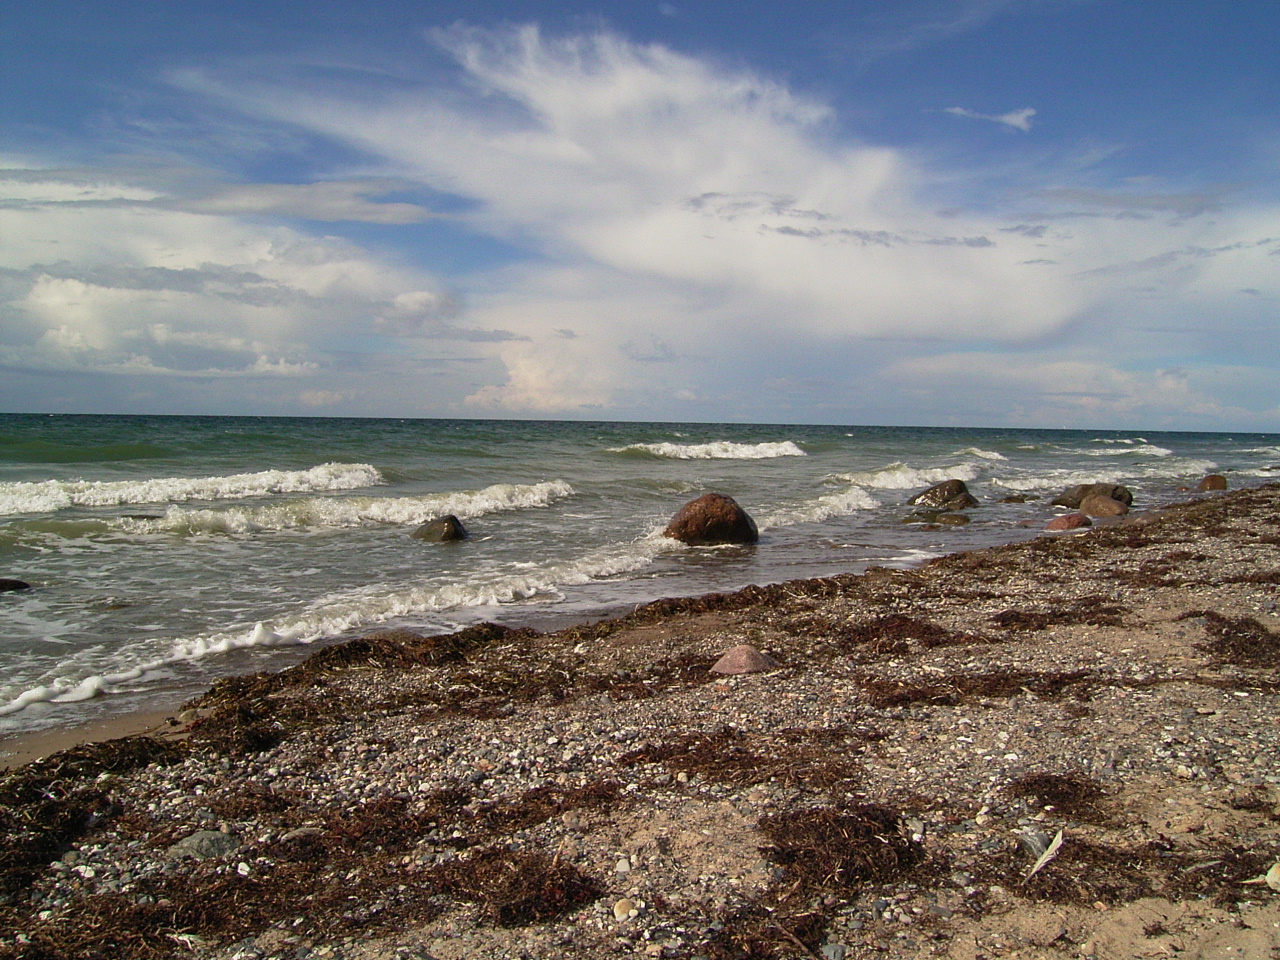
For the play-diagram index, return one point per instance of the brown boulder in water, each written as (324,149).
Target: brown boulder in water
(1071,499)
(441,530)
(12,586)
(947,495)
(712,518)
(1214,481)
(1095,506)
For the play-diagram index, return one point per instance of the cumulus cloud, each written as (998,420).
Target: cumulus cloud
(1014,119)
(683,227)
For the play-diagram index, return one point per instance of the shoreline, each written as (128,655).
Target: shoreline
(890,788)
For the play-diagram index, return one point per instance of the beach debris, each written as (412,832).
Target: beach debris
(711,519)
(1069,521)
(1271,878)
(1214,481)
(444,529)
(13,586)
(1049,853)
(744,658)
(947,495)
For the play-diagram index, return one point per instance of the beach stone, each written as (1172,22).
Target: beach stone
(744,658)
(1069,521)
(1072,498)
(205,845)
(947,495)
(624,909)
(1214,481)
(1095,506)
(12,586)
(441,530)
(712,518)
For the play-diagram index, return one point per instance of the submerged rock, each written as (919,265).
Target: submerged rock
(12,586)
(947,495)
(441,530)
(712,518)
(1071,499)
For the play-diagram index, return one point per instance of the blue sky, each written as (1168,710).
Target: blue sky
(978,212)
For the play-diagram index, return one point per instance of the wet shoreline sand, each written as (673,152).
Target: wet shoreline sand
(887,792)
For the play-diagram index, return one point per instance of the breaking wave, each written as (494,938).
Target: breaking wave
(717,450)
(48,496)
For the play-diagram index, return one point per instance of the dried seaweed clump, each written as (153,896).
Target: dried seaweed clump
(1073,794)
(1242,641)
(47,805)
(731,756)
(822,851)
(515,888)
(1094,611)
(828,848)
(964,688)
(897,632)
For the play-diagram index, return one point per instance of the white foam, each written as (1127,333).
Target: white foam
(983,454)
(339,613)
(842,504)
(898,476)
(1130,448)
(49,496)
(717,450)
(1164,469)
(317,512)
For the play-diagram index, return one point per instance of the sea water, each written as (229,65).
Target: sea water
(165,552)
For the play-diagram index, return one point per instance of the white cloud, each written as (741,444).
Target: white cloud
(694,234)
(1014,119)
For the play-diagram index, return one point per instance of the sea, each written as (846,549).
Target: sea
(165,552)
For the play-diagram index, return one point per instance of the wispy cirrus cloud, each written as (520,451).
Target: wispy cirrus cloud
(1014,119)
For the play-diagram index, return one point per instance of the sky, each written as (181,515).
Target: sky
(1040,213)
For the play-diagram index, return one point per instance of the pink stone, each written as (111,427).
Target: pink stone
(745,658)
(1069,521)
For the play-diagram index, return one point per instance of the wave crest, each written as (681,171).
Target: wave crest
(49,496)
(716,450)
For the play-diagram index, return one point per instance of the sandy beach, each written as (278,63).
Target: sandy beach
(1060,748)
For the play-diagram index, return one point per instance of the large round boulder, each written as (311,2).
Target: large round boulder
(1071,499)
(1096,506)
(947,495)
(1214,481)
(711,519)
(441,530)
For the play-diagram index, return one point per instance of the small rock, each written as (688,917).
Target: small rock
(1069,521)
(441,530)
(205,845)
(744,658)
(625,909)
(833,951)
(623,866)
